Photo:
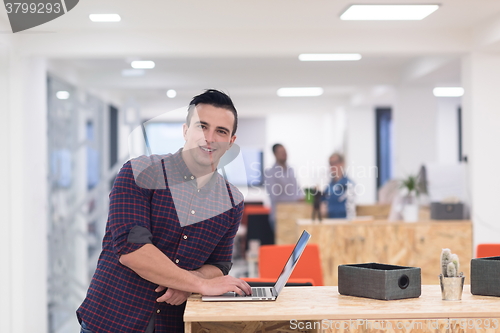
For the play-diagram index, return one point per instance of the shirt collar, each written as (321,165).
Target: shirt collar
(183,174)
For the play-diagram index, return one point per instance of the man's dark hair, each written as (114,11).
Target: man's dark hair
(217,99)
(275,146)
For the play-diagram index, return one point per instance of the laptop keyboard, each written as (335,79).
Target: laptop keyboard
(256,292)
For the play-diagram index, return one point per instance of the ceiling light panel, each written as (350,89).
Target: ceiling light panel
(143,64)
(62,94)
(388,12)
(448,91)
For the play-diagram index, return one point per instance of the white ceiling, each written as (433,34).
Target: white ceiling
(250,48)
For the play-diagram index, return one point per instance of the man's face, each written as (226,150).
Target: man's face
(208,136)
(280,153)
(336,167)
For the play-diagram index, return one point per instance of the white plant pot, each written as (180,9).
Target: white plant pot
(410,212)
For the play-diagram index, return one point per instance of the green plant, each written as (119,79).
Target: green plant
(410,184)
(450,264)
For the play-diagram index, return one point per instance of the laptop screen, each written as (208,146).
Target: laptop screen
(292,261)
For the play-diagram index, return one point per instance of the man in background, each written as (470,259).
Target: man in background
(280,181)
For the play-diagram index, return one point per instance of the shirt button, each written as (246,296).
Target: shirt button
(158,311)
(198,190)
(192,212)
(185,237)
(176,261)
(185,177)
(192,177)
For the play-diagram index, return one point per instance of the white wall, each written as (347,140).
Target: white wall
(481,79)
(5,196)
(309,141)
(24,147)
(251,133)
(414,117)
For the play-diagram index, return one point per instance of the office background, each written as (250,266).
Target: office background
(51,226)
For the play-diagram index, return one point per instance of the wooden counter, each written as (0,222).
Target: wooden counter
(417,244)
(287,214)
(296,305)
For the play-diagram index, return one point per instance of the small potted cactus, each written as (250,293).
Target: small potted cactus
(452,282)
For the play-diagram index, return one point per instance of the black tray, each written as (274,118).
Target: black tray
(485,276)
(379,281)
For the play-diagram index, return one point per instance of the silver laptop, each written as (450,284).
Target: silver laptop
(268,293)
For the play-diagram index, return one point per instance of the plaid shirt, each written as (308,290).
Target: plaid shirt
(192,227)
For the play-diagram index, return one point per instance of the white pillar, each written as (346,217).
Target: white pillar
(415,121)
(447,130)
(5,194)
(481,122)
(26,177)
(361,153)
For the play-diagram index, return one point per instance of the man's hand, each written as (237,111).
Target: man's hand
(224,284)
(172,296)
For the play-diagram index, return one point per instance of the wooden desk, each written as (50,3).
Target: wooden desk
(417,244)
(297,305)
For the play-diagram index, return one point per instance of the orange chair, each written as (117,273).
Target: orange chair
(272,259)
(487,250)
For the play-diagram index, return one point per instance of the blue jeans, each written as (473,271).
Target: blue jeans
(85,329)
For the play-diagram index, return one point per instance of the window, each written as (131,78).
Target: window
(384,145)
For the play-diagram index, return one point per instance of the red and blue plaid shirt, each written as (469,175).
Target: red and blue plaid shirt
(159,196)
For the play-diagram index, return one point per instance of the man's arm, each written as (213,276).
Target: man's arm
(151,264)
(208,272)
(178,297)
(129,228)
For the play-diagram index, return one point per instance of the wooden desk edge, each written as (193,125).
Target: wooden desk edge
(434,290)
(328,221)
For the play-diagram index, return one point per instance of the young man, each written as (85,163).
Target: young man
(280,181)
(171,224)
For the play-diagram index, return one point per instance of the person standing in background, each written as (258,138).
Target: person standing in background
(336,192)
(280,182)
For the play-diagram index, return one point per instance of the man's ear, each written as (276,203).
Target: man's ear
(233,138)
(184,131)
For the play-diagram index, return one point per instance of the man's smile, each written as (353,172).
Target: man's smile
(207,149)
